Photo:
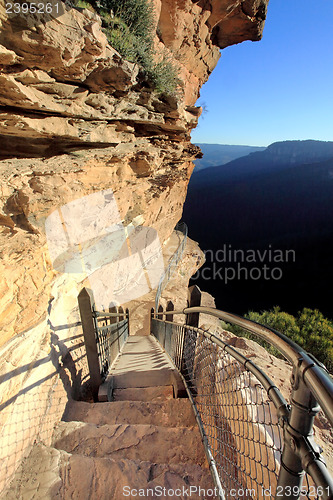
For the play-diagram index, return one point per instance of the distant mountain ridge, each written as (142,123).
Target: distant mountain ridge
(276,156)
(281,197)
(219,154)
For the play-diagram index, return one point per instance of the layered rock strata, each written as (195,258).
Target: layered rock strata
(76,118)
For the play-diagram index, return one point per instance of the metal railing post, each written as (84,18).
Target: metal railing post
(86,307)
(297,430)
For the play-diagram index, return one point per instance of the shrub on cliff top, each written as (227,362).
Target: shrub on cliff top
(130,28)
(164,74)
(137,15)
(310,329)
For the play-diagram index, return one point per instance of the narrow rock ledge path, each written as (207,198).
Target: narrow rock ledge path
(145,438)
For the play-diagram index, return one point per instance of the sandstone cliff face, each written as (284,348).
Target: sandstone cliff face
(88,122)
(76,118)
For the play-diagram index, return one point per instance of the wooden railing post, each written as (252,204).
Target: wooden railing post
(169,307)
(168,328)
(194,300)
(127,315)
(121,313)
(190,341)
(161,328)
(86,307)
(152,316)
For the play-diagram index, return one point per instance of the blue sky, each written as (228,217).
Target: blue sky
(280,88)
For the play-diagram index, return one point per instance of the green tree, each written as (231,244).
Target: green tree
(309,329)
(317,333)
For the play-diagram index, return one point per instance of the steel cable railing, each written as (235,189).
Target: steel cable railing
(260,445)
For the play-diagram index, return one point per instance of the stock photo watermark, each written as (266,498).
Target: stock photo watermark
(197,491)
(185,491)
(229,264)
(88,238)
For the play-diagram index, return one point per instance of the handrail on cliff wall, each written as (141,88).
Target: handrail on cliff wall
(173,262)
(254,447)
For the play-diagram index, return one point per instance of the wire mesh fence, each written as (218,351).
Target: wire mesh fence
(35,385)
(241,420)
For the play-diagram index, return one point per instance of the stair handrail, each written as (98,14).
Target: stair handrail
(311,384)
(172,263)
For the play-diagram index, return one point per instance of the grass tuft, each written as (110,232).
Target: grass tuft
(130,28)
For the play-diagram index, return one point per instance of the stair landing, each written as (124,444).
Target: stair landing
(142,364)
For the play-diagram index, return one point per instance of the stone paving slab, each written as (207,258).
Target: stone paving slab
(171,412)
(157,444)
